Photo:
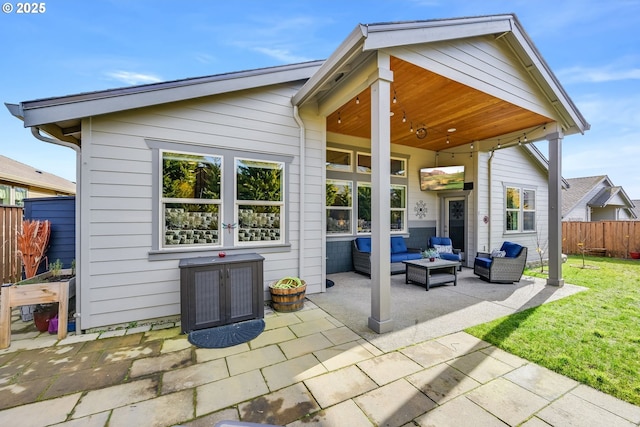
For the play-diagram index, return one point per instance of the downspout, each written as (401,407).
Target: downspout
(489,200)
(35,131)
(301,198)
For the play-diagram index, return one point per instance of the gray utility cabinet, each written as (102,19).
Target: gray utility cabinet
(217,291)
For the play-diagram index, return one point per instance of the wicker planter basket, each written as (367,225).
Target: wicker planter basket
(288,299)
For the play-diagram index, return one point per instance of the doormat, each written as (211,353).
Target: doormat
(227,335)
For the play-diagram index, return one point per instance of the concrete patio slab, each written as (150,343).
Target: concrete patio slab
(459,412)
(394,404)
(346,413)
(340,385)
(311,367)
(280,407)
(507,401)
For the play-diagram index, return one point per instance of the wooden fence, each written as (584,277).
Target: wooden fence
(607,238)
(10,224)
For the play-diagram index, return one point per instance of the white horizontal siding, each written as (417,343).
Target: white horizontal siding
(512,166)
(119,283)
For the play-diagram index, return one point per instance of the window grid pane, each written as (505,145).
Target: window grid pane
(191,224)
(338,160)
(186,176)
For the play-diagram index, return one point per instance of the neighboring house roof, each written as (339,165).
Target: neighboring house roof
(21,174)
(541,160)
(580,189)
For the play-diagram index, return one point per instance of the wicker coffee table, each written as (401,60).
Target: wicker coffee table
(428,273)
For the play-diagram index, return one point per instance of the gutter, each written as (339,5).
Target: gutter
(301,198)
(35,131)
(489,199)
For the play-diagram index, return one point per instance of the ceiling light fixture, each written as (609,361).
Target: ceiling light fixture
(339,119)
(451,130)
(357,100)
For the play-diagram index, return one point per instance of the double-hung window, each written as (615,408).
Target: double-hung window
(520,209)
(191,199)
(259,200)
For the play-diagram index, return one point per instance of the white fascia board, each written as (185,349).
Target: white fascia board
(349,48)
(54,110)
(532,60)
(401,34)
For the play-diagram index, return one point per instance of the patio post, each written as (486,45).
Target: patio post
(380,320)
(555,209)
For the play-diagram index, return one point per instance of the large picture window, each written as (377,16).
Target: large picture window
(191,199)
(259,200)
(520,212)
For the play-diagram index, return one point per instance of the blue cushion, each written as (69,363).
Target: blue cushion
(444,241)
(414,255)
(398,245)
(483,262)
(512,249)
(364,244)
(404,256)
(451,257)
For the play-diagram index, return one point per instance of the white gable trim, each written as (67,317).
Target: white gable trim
(53,110)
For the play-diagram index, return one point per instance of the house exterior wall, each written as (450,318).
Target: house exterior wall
(122,280)
(509,167)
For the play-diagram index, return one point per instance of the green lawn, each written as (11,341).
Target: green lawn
(592,337)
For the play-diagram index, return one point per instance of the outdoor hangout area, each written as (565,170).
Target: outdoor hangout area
(321,365)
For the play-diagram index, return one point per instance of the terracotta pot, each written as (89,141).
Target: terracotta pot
(41,319)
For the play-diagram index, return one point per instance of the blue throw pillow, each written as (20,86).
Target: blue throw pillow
(398,245)
(512,250)
(364,244)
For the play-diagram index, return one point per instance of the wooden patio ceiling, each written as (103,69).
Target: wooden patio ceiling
(426,99)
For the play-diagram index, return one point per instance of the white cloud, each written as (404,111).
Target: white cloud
(598,75)
(283,55)
(132,78)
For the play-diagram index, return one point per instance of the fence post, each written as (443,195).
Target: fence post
(10,224)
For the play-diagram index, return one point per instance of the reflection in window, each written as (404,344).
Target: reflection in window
(520,209)
(191,199)
(339,206)
(5,195)
(19,194)
(259,200)
(398,203)
(338,160)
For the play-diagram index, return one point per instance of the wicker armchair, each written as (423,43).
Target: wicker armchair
(505,269)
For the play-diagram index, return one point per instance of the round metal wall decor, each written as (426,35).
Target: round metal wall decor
(420,209)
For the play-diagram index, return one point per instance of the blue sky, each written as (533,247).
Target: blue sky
(78,46)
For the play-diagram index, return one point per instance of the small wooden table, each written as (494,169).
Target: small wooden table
(428,273)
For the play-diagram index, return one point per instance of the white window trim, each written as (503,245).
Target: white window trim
(159,253)
(520,209)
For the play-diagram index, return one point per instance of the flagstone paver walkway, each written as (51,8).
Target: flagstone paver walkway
(306,369)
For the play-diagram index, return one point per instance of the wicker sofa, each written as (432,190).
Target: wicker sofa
(505,268)
(361,254)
